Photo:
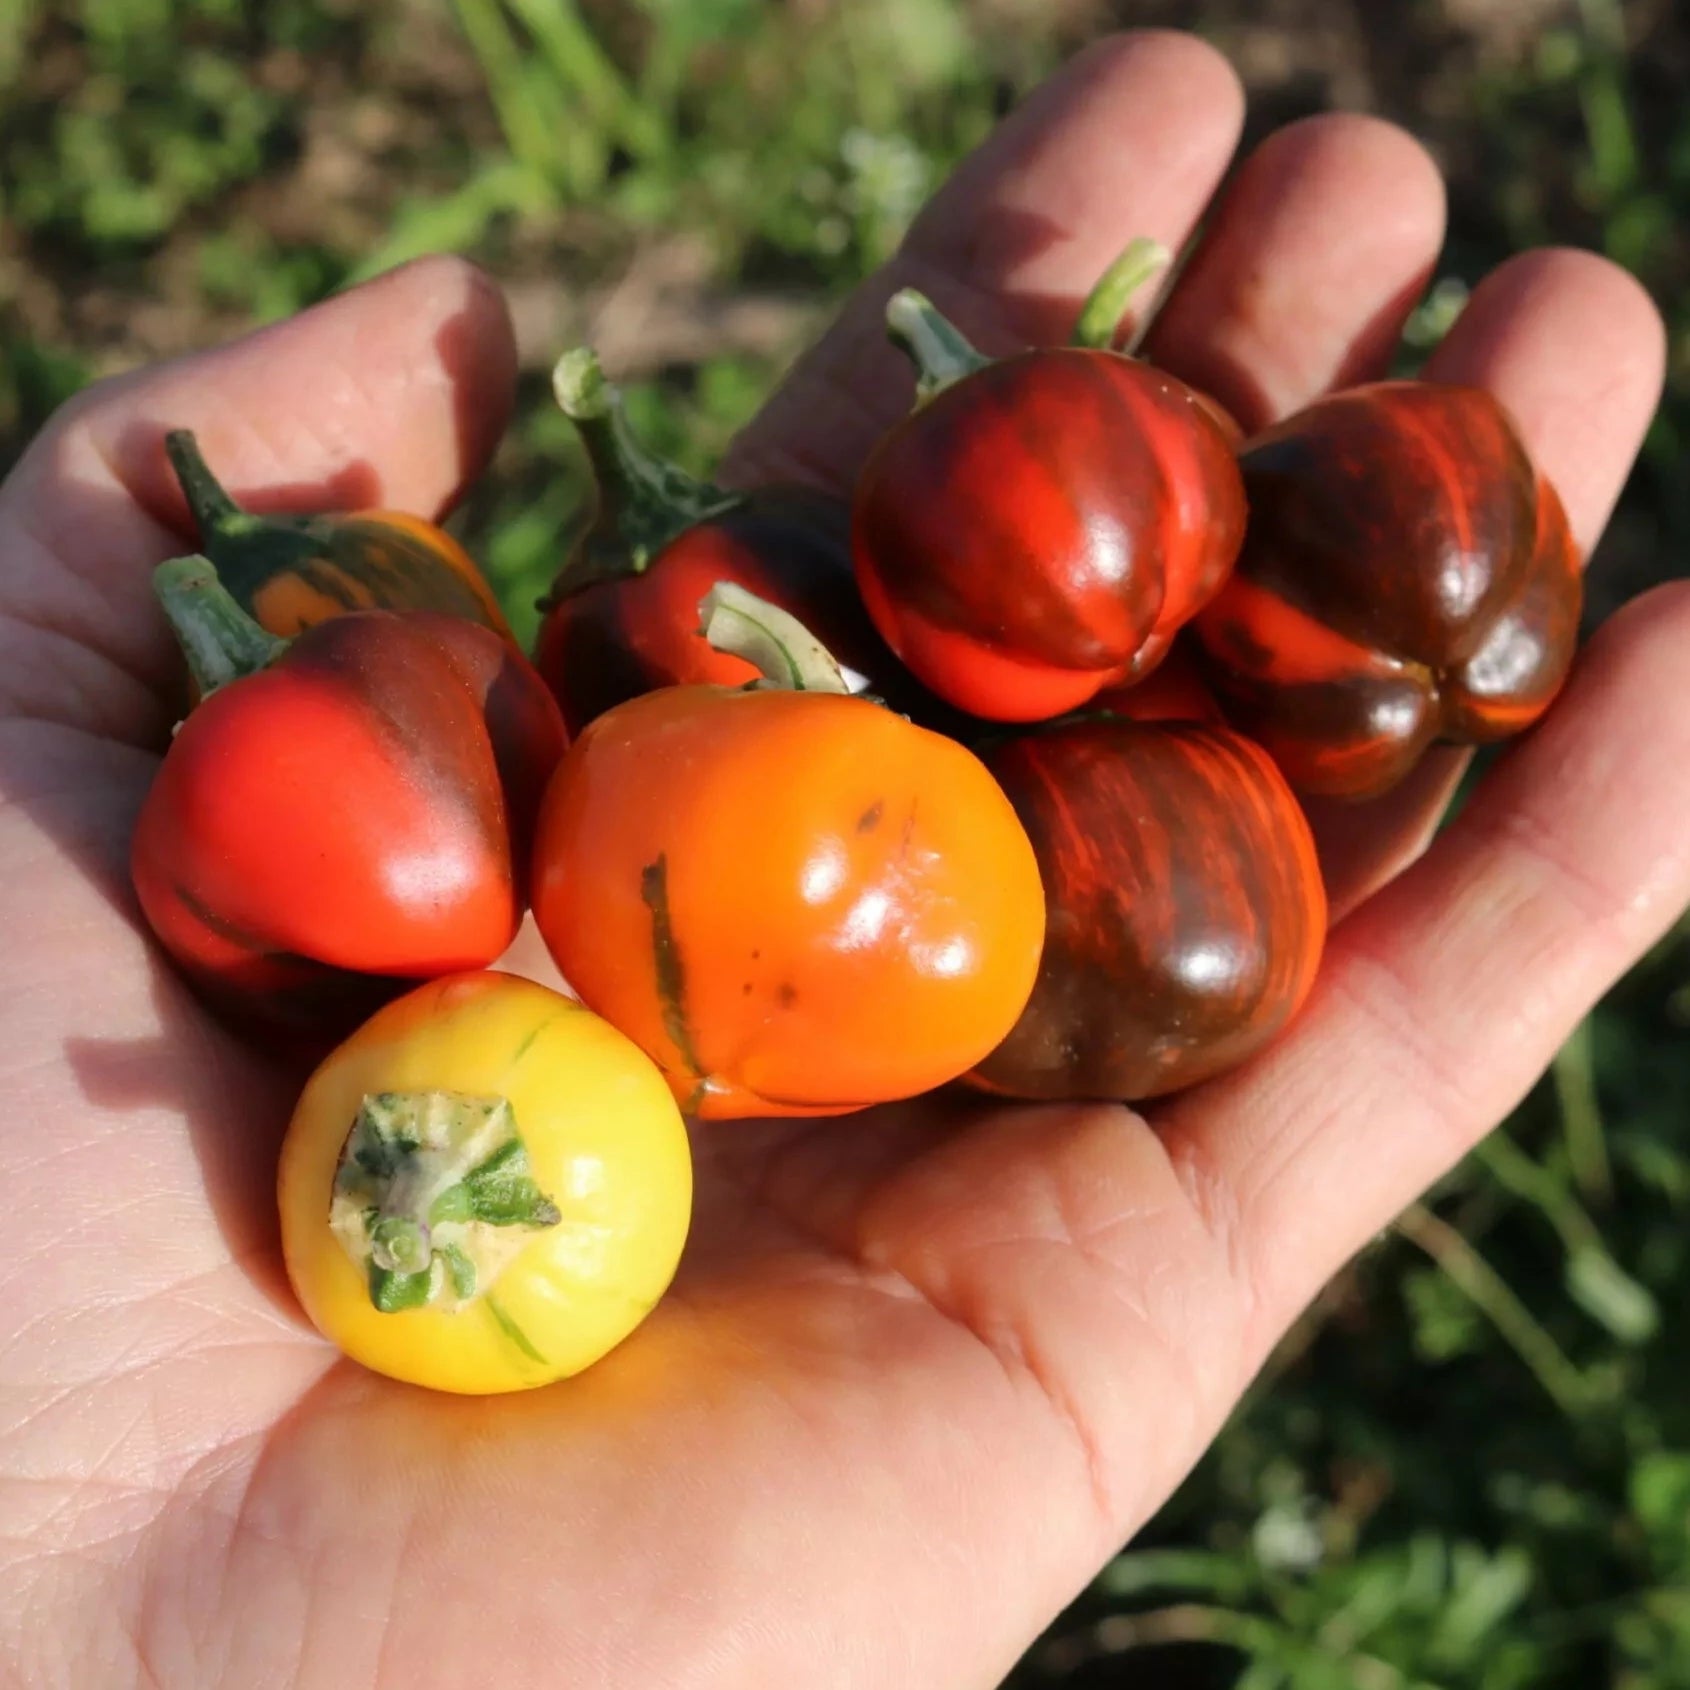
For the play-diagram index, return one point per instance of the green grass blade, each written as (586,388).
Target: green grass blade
(587,76)
(535,123)
(1492,1295)
(1574,1071)
(1222,1577)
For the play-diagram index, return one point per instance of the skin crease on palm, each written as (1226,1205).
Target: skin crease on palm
(923,1370)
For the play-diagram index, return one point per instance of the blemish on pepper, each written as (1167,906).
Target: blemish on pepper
(512,1331)
(209,918)
(666,955)
(869,820)
(528,1042)
(908,834)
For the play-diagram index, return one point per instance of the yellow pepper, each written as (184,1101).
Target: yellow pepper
(484,1189)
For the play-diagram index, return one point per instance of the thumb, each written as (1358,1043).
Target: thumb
(394,393)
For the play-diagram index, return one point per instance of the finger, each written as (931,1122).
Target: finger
(1572,346)
(1129,139)
(1365,846)
(1444,997)
(1314,258)
(393,393)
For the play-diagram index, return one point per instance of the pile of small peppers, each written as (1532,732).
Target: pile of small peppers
(988,776)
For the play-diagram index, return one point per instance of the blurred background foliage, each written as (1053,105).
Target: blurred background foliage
(1470,1465)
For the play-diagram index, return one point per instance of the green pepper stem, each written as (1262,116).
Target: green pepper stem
(433,1197)
(940,351)
(776,644)
(219,640)
(399,1244)
(942,354)
(1099,323)
(213,509)
(644,502)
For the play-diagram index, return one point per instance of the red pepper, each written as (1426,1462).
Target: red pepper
(1407,577)
(622,616)
(342,814)
(1185,913)
(1041,526)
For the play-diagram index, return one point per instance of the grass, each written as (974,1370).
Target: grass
(1470,1466)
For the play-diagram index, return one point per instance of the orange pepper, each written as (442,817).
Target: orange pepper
(795,901)
(290,572)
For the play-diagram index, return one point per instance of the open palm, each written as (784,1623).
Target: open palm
(924,1370)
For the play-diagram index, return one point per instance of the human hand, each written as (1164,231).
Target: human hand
(924,1370)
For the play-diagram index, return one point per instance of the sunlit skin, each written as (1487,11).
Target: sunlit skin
(798,903)
(603,1142)
(1043,527)
(292,571)
(1408,576)
(915,1380)
(352,817)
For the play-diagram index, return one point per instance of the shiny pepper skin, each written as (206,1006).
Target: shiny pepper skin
(1041,526)
(351,817)
(1407,577)
(1185,910)
(797,903)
